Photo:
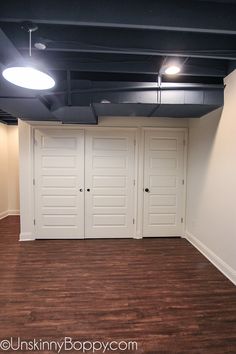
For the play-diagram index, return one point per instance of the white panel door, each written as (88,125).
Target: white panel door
(59,183)
(109,184)
(163,183)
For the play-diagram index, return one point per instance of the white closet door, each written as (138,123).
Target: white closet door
(163,183)
(59,176)
(109,176)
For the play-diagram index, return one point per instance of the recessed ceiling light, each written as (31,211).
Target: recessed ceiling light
(172,70)
(40,46)
(28,77)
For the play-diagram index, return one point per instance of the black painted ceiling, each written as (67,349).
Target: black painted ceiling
(7,118)
(108,50)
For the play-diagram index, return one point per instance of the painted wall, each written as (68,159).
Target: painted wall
(26,176)
(3,170)
(135,122)
(211,183)
(13,170)
(9,176)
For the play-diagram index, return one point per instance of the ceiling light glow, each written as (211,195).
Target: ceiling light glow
(172,70)
(28,77)
(40,45)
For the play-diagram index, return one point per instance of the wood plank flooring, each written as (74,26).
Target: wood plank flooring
(161,293)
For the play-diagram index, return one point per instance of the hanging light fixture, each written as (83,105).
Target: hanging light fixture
(29,75)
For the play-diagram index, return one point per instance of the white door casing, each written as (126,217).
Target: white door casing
(109,175)
(163,208)
(59,177)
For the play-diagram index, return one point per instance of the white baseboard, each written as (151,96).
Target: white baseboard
(13,212)
(6,213)
(26,236)
(223,267)
(3,214)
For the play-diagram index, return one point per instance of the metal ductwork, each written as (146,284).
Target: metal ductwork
(85,105)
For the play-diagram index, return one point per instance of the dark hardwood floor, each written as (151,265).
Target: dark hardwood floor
(161,293)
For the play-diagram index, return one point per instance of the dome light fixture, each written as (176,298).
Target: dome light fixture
(27,75)
(172,70)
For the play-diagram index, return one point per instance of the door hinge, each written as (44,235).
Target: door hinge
(182,181)
(134,142)
(33,181)
(133,220)
(34,222)
(134,182)
(182,220)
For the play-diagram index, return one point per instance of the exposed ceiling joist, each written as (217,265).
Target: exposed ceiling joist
(132,67)
(159,15)
(62,39)
(222,55)
(7,118)
(90,46)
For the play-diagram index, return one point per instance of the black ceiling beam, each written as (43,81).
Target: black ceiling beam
(182,15)
(132,67)
(72,40)
(223,55)
(202,70)
(61,39)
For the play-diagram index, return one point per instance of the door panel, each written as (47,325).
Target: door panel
(59,175)
(163,179)
(109,175)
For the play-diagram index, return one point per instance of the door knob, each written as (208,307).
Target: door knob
(88,189)
(147,190)
(81,190)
